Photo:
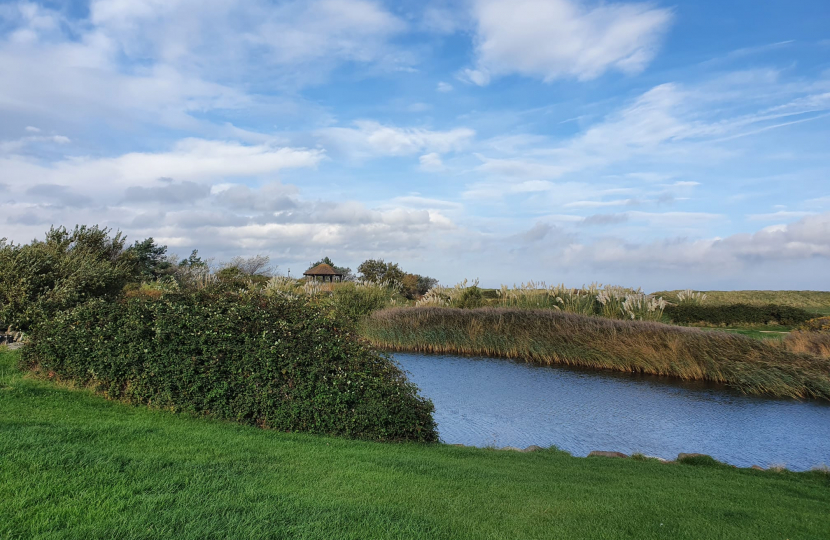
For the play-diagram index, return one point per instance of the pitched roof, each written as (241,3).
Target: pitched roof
(322,270)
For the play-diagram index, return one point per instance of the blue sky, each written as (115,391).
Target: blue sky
(662,145)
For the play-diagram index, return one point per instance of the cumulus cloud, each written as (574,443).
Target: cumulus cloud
(58,195)
(535,234)
(272,197)
(169,191)
(190,160)
(174,59)
(805,239)
(552,39)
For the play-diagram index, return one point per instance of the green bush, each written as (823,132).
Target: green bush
(67,268)
(470,298)
(354,301)
(275,362)
(736,314)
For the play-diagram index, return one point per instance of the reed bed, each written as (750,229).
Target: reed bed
(815,343)
(554,337)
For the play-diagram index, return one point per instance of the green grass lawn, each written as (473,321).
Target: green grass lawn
(74,465)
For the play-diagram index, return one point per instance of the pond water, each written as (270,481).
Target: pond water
(497,402)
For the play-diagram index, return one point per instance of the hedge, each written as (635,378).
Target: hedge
(732,314)
(275,362)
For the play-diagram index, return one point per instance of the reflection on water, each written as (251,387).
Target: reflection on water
(496,402)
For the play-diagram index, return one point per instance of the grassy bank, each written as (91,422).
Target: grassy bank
(74,465)
(813,301)
(549,337)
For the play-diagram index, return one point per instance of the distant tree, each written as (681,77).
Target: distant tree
(414,285)
(409,286)
(258,265)
(425,283)
(347,272)
(194,261)
(150,259)
(379,271)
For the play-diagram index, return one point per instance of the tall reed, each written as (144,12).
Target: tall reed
(554,337)
(815,343)
(610,301)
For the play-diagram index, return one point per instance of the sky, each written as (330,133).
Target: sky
(653,144)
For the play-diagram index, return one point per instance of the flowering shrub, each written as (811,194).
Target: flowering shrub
(271,361)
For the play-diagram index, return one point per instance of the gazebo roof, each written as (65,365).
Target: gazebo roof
(322,270)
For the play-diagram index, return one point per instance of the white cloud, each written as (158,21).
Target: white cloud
(598,204)
(17,145)
(431,162)
(370,139)
(480,77)
(185,32)
(196,160)
(164,62)
(443,87)
(670,123)
(552,39)
(805,239)
(775,216)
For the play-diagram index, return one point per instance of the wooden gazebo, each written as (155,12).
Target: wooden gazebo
(324,271)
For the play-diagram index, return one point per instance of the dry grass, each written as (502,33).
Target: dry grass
(813,301)
(554,337)
(815,343)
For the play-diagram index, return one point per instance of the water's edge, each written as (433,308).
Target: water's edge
(486,402)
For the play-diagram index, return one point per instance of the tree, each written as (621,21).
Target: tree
(378,271)
(347,272)
(194,261)
(414,285)
(258,265)
(67,268)
(151,259)
(425,283)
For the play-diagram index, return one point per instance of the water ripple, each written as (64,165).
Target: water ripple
(495,402)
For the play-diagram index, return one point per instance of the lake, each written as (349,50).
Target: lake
(496,402)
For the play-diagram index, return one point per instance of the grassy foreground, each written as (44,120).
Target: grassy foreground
(73,465)
(750,365)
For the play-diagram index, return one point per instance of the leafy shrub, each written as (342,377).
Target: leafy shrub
(733,314)
(67,268)
(819,324)
(275,362)
(357,300)
(470,298)
(377,271)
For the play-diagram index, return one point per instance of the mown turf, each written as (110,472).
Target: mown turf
(73,465)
